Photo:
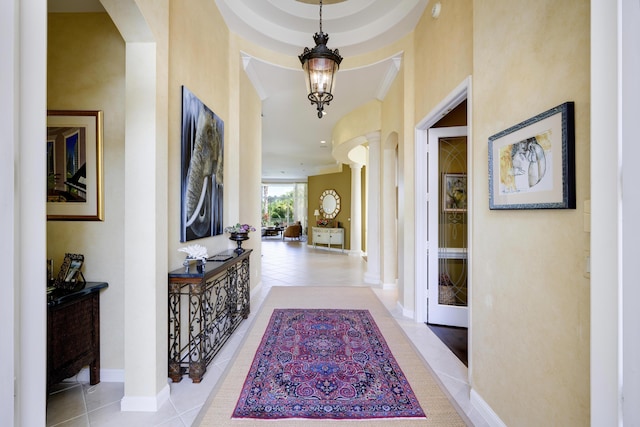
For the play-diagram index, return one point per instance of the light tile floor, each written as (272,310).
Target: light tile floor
(289,263)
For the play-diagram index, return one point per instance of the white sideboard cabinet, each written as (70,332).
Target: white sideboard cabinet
(328,236)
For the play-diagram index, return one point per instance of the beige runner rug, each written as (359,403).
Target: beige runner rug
(437,405)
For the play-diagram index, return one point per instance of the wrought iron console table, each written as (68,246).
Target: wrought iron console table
(205,307)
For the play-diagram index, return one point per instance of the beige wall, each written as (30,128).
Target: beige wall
(392,108)
(86,71)
(199,46)
(250,167)
(364,119)
(530,318)
(392,132)
(443,53)
(205,58)
(341,182)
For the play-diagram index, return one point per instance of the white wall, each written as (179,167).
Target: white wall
(605,211)
(22,215)
(9,145)
(629,90)
(615,204)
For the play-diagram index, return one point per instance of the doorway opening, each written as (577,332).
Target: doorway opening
(456,339)
(443,220)
(447,221)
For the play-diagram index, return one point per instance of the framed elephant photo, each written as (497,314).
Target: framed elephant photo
(202,178)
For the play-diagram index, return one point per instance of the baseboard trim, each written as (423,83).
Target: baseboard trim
(389,286)
(128,403)
(255,291)
(485,410)
(372,279)
(145,403)
(406,313)
(106,375)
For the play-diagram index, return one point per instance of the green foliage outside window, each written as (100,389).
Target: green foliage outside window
(280,208)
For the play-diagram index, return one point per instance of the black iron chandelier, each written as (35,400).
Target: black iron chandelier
(320,65)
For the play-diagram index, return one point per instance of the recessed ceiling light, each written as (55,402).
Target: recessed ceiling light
(323,142)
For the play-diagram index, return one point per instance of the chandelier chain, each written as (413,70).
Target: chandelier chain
(320,16)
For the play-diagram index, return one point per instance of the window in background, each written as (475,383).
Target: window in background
(284,204)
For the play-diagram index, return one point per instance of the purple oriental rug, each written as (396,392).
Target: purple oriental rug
(325,363)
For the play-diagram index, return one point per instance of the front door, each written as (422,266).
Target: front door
(447,227)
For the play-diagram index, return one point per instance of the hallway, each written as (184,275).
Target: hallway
(293,263)
(288,263)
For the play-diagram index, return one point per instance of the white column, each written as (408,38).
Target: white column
(145,234)
(142,391)
(23,43)
(356,209)
(606,374)
(372,275)
(629,228)
(389,227)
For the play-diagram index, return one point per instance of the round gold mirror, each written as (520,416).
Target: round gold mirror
(329,203)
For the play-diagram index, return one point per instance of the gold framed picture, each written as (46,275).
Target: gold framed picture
(74,166)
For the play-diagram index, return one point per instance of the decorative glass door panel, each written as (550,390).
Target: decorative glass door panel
(452,238)
(448,272)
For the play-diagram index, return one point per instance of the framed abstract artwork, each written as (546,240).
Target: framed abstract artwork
(532,164)
(74,166)
(202,180)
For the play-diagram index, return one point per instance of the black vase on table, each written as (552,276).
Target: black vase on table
(239,238)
